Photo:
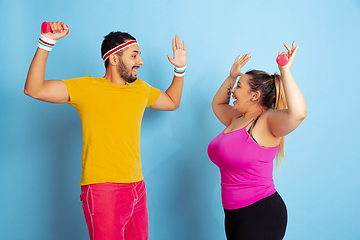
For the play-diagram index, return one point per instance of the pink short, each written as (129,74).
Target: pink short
(116,211)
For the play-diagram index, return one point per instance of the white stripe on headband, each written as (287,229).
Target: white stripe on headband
(118,48)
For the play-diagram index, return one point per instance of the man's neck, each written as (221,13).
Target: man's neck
(114,77)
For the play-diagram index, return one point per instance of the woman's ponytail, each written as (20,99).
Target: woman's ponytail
(280,103)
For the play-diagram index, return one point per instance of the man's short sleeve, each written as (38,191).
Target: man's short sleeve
(153,96)
(77,88)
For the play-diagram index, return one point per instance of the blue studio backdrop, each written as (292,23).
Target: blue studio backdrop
(41,143)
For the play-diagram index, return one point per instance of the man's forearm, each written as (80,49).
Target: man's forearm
(175,90)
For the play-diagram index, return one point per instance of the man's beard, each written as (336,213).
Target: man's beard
(125,74)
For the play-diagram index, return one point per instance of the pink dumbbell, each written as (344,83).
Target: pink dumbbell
(282,59)
(45,28)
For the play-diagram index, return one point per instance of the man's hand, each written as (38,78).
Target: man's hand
(179,51)
(58,30)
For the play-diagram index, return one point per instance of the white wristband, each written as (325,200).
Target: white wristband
(179,72)
(46,43)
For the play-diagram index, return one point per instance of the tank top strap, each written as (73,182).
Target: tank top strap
(250,122)
(255,119)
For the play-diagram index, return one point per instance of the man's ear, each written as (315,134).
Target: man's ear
(113,60)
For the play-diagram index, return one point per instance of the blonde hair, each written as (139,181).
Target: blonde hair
(280,103)
(272,96)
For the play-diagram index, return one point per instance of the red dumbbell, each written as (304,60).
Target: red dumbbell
(45,28)
(282,59)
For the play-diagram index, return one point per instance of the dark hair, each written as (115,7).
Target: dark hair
(272,95)
(112,40)
(270,87)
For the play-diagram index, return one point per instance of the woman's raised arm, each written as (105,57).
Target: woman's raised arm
(220,104)
(282,122)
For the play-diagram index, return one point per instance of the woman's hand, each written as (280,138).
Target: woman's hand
(290,54)
(235,70)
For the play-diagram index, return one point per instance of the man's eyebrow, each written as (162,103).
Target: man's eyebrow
(136,51)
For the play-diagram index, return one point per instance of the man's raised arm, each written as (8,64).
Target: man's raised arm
(53,91)
(170,99)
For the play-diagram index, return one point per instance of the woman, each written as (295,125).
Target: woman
(253,137)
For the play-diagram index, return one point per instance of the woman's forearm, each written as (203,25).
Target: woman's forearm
(295,100)
(223,95)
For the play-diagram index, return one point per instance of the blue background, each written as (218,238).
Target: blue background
(40,143)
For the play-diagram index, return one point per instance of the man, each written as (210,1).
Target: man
(111,109)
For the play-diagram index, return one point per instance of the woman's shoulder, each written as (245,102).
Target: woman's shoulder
(269,113)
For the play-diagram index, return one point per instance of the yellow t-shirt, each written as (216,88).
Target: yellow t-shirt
(111,118)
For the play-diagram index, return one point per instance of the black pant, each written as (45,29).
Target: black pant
(263,220)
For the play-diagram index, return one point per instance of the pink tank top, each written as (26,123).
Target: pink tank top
(246,168)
